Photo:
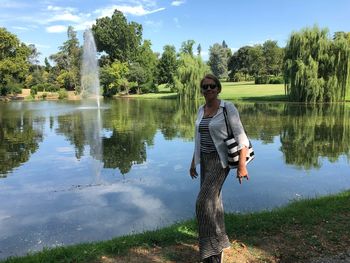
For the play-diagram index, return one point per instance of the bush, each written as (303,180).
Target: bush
(276,80)
(269,79)
(238,76)
(15,88)
(33,90)
(62,94)
(52,88)
(263,79)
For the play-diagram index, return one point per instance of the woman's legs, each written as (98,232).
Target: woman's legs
(209,208)
(214,259)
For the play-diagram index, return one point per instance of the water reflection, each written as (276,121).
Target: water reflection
(20,134)
(306,132)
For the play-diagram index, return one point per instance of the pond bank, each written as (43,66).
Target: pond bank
(303,231)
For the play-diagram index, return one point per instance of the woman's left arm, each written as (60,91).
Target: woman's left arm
(242,139)
(236,125)
(242,171)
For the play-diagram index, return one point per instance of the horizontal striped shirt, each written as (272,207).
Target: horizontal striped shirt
(207,144)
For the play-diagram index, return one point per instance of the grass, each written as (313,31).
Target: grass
(230,90)
(251,91)
(296,233)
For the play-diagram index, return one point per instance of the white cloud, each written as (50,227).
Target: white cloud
(138,10)
(22,28)
(177,2)
(12,4)
(65,17)
(59,8)
(176,21)
(56,29)
(84,25)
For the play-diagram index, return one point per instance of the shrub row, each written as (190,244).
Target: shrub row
(269,79)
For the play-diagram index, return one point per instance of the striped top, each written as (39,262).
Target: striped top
(207,144)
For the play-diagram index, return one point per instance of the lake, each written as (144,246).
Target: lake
(70,173)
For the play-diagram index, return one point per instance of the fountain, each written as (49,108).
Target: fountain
(91,90)
(89,69)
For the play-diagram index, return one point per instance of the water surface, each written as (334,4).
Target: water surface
(67,178)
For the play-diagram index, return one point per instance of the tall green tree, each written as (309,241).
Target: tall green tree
(118,38)
(218,59)
(167,65)
(14,64)
(189,73)
(199,49)
(146,66)
(273,56)
(68,61)
(239,62)
(256,61)
(316,68)
(113,78)
(187,47)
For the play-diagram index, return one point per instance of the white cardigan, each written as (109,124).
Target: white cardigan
(218,131)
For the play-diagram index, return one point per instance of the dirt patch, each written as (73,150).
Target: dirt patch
(189,253)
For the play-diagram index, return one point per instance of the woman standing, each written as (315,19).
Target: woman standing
(211,153)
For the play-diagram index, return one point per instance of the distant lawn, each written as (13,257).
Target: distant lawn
(251,91)
(230,90)
(247,91)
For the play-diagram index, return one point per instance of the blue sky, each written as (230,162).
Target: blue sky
(238,22)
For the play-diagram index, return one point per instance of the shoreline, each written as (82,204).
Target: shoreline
(302,231)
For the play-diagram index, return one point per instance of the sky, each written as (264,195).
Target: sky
(239,22)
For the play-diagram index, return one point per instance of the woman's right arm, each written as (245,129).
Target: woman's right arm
(193,172)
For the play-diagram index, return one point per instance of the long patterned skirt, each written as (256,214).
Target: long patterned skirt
(209,208)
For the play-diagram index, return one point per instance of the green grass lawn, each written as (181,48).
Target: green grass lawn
(230,90)
(251,91)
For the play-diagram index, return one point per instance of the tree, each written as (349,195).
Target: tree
(187,47)
(239,62)
(167,65)
(47,65)
(256,61)
(273,55)
(113,78)
(33,56)
(146,65)
(14,64)
(189,73)
(68,61)
(218,58)
(199,50)
(316,68)
(118,38)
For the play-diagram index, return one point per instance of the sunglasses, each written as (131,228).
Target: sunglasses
(207,86)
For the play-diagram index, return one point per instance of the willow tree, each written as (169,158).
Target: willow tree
(189,73)
(316,67)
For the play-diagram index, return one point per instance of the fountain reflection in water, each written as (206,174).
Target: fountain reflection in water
(91,94)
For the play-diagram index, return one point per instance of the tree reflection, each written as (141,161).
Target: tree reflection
(129,127)
(307,132)
(310,132)
(72,127)
(20,134)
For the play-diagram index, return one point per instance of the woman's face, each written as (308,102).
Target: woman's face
(209,89)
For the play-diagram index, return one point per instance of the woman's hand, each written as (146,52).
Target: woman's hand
(242,172)
(193,172)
